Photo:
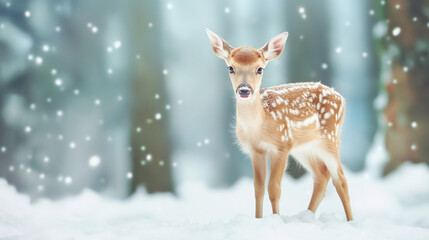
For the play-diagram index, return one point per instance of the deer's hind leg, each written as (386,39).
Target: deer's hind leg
(321,178)
(330,155)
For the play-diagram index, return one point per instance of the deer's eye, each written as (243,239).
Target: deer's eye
(231,69)
(259,71)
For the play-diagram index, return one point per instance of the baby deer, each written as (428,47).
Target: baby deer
(302,119)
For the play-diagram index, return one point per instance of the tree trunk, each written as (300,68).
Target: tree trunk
(150,143)
(405,49)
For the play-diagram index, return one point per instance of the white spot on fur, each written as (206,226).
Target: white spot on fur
(306,122)
(327,115)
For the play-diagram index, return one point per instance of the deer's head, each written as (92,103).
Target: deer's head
(246,64)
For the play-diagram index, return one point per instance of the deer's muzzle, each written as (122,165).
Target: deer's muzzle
(244,90)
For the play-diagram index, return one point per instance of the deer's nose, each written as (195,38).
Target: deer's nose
(244,90)
(244,93)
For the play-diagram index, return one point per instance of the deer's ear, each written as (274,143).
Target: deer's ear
(220,47)
(275,46)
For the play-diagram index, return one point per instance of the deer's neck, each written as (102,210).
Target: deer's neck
(250,110)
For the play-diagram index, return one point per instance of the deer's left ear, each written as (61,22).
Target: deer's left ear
(275,46)
(220,47)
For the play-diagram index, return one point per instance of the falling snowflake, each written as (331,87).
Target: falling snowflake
(38,60)
(46,48)
(324,66)
(338,50)
(117,44)
(396,31)
(94,161)
(68,180)
(58,82)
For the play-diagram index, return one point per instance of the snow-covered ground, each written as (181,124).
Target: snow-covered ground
(393,208)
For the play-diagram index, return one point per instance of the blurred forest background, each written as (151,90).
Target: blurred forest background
(111,95)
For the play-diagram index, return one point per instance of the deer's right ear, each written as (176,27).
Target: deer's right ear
(220,47)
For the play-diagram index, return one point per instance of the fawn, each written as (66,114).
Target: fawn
(302,119)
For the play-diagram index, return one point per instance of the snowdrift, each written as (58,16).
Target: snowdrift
(396,207)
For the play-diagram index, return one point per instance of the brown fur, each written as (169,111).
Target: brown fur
(245,55)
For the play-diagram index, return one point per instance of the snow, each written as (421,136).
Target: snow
(396,207)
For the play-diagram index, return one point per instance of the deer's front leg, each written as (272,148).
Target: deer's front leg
(278,167)
(259,173)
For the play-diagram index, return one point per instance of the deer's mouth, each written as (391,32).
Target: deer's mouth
(244,90)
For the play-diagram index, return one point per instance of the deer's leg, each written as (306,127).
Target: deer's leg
(331,158)
(278,167)
(321,178)
(340,184)
(259,173)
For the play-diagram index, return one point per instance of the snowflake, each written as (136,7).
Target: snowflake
(94,161)
(117,44)
(38,60)
(58,82)
(338,50)
(396,31)
(46,48)
(68,180)
(324,66)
